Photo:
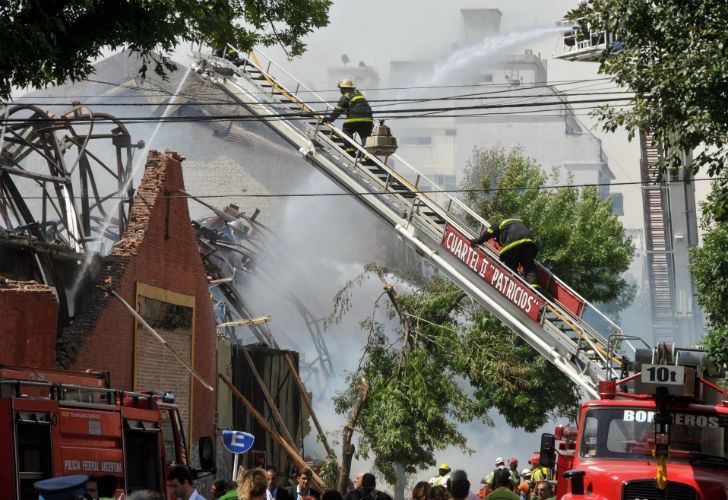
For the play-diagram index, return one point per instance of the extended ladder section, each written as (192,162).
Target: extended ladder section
(656,202)
(561,325)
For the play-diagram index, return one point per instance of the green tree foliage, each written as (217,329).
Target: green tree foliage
(710,270)
(51,41)
(671,54)
(578,237)
(415,400)
(452,361)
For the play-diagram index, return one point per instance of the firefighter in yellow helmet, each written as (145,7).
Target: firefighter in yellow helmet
(358,114)
(443,474)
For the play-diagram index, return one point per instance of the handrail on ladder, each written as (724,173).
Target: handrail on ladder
(436,189)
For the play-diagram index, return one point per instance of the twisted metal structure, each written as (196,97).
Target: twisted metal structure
(58,183)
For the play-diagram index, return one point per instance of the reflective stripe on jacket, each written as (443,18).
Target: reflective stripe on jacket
(508,232)
(356,107)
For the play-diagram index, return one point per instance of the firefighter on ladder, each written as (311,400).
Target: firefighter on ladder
(517,246)
(358,114)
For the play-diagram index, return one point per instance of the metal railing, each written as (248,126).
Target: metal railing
(429,192)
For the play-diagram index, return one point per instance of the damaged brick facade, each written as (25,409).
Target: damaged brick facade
(29,313)
(158,253)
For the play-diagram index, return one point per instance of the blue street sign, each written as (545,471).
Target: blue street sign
(237,442)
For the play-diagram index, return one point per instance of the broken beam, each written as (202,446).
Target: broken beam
(309,406)
(245,322)
(297,459)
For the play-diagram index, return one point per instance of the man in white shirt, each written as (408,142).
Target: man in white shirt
(274,491)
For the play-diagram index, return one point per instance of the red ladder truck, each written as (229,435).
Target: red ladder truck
(660,433)
(57,422)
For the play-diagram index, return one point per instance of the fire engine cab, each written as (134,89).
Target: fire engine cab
(659,433)
(55,423)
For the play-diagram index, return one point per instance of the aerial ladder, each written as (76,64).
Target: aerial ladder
(560,324)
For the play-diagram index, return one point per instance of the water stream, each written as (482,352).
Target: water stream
(141,156)
(488,48)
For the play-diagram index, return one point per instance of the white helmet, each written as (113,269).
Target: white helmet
(526,472)
(346,84)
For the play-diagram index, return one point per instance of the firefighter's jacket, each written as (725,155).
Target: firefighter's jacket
(508,232)
(356,107)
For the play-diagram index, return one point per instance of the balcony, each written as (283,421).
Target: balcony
(580,43)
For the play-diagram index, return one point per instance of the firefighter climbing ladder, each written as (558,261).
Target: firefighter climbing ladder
(565,328)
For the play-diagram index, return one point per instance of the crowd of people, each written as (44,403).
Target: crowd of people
(501,483)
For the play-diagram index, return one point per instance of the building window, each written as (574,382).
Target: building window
(486,78)
(416,141)
(617,203)
(446,182)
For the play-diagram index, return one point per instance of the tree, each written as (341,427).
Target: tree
(579,240)
(671,54)
(578,237)
(710,270)
(414,400)
(51,41)
(444,341)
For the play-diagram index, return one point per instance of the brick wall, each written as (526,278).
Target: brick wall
(28,322)
(159,250)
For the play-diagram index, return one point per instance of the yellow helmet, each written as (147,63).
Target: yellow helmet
(346,84)
(445,466)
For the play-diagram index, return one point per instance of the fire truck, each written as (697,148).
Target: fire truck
(659,433)
(57,422)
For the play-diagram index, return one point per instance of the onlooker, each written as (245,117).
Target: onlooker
(303,489)
(252,485)
(274,491)
(503,486)
(460,476)
(544,490)
(458,485)
(219,488)
(332,495)
(524,490)
(179,481)
(62,488)
(92,488)
(369,487)
(107,487)
(356,493)
(421,491)
(357,480)
(438,493)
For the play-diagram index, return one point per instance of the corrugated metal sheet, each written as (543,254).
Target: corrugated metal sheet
(279,381)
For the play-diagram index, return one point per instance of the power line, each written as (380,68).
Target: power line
(388,193)
(510,88)
(392,113)
(468,97)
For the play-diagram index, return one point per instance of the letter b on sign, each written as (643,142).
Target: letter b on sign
(237,442)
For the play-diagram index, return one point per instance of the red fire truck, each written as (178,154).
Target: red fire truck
(660,433)
(55,423)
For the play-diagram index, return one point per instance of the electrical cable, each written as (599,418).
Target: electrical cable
(395,112)
(387,193)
